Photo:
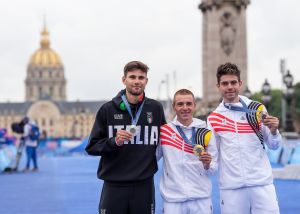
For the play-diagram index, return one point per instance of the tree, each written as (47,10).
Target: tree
(274,108)
(297,102)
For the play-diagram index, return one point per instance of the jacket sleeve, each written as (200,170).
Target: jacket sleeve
(213,150)
(99,143)
(159,152)
(272,141)
(26,129)
(163,120)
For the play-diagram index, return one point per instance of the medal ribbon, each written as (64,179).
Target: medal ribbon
(137,116)
(250,114)
(192,143)
(244,107)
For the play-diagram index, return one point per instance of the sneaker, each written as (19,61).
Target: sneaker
(35,169)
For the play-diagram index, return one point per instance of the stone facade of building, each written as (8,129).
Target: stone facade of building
(223,40)
(46,100)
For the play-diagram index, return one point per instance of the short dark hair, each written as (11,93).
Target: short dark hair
(183,92)
(25,120)
(228,69)
(134,65)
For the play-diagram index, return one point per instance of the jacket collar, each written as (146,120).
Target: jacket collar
(221,107)
(197,123)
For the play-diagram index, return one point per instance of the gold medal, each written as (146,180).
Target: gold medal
(261,116)
(198,149)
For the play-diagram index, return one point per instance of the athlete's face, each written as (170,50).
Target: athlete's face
(184,105)
(135,82)
(229,87)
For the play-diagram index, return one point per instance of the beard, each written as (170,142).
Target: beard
(135,92)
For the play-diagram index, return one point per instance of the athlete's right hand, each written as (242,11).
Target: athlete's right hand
(205,158)
(123,135)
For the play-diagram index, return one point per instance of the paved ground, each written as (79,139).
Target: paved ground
(68,185)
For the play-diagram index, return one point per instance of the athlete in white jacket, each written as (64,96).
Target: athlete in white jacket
(185,185)
(242,128)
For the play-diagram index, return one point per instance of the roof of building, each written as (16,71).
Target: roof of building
(65,107)
(45,56)
(79,106)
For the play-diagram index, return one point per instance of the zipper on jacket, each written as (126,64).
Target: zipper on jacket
(182,165)
(239,145)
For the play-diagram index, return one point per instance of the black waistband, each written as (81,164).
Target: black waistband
(129,183)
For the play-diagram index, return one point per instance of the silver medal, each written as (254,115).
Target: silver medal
(133,129)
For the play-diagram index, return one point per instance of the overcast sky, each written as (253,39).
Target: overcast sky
(95,38)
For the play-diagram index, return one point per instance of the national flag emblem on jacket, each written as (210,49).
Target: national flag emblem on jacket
(223,122)
(173,136)
(149,117)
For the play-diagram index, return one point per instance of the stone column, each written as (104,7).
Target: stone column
(224,39)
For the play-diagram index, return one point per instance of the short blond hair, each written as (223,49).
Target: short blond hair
(182,92)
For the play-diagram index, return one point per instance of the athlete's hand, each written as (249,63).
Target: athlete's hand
(123,135)
(272,123)
(205,158)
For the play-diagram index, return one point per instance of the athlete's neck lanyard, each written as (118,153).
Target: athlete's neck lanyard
(192,143)
(135,119)
(242,108)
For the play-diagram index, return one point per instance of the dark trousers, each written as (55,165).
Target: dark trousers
(31,154)
(134,198)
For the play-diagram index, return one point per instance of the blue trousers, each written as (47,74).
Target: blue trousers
(31,154)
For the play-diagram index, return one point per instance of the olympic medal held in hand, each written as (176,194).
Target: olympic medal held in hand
(198,149)
(262,116)
(133,129)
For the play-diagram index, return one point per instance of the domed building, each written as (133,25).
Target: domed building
(46,98)
(45,73)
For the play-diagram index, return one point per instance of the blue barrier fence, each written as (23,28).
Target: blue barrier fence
(62,146)
(48,147)
(74,146)
(287,153)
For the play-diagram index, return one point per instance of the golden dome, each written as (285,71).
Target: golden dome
(45,56)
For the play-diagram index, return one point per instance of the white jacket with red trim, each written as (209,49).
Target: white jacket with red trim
(243,161)
(184,177)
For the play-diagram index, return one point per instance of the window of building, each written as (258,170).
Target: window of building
(61,93)
(51,91)
(40,91)
(30,91)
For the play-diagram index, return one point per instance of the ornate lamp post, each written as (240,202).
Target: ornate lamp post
(247,93)
(266,91)
(288,96)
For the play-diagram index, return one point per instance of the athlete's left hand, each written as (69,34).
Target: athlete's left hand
(205,158)
(272,123)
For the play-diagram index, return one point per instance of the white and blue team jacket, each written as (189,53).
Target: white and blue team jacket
(184,177)
(243,161)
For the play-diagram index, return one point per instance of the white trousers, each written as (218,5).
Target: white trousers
(249,200)
(200,206)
